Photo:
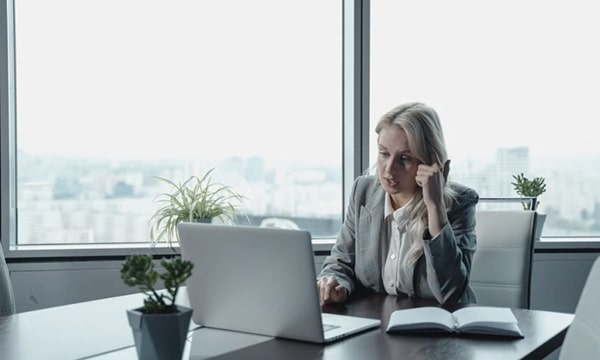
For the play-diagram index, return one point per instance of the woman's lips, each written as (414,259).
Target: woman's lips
(391,183)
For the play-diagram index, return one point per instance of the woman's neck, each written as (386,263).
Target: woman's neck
(400,200)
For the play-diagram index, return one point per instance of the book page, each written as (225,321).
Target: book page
(487,320)
(423,318)
(484,314)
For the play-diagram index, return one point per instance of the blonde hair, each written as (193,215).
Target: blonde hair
(425,135)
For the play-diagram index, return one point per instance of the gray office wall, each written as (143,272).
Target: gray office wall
(557,281)
(42,285)
(558,278)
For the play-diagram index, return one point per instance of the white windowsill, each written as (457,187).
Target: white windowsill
(561,243)
(115,250)
(108,250)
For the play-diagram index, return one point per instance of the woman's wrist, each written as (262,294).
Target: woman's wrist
(437,218)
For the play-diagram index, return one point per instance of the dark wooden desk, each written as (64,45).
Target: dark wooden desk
(68,332)
(99,330)
(544,332)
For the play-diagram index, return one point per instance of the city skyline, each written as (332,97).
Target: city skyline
(80,200)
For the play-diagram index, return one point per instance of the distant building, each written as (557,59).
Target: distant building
(509,161)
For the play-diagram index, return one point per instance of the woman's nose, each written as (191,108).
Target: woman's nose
(390,167)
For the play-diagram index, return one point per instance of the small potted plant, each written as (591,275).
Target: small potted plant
(197,199)
(160,326)
(533,188)
(529,188)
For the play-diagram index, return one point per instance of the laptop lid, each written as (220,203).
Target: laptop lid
(257,280)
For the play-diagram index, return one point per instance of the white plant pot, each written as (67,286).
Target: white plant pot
(538,226)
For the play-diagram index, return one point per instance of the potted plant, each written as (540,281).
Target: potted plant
(197,199)
(532,188)
(160,326)
(529,188)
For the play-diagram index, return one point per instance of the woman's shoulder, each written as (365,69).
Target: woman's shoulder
(367,184)
(463,195)
(366,180)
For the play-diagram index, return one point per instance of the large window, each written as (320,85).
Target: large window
(100,97)
(112,93)
(516,86)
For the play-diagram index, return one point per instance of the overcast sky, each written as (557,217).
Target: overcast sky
(186,80)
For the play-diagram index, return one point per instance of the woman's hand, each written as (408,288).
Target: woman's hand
(433,179)
(330,290)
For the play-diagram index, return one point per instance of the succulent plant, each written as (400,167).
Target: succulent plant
(138,270)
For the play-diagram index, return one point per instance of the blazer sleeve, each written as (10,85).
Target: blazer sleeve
(448,256)
(341,261)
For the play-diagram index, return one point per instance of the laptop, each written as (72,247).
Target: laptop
(260,281)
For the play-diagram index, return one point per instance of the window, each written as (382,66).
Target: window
(99,97)
(111,93)
(515,84)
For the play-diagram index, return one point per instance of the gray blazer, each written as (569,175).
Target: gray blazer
(356,259)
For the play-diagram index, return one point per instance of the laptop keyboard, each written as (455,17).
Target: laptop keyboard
(327,327)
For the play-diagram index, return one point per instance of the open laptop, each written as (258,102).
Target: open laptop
(260,281)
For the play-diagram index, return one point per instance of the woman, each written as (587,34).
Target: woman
(407,230)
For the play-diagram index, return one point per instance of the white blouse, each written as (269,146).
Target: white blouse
(397,276)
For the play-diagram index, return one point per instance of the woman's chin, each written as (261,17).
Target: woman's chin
(390,188)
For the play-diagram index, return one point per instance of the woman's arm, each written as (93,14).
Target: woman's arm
(448,255)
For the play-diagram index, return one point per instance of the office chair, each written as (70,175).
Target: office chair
(502,262)
(583,336)
(7,301)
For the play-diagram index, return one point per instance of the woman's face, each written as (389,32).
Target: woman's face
(396,165)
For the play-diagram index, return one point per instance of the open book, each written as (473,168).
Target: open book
(469,320)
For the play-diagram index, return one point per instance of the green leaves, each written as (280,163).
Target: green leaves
(194,199)
(529,188)
(138,271)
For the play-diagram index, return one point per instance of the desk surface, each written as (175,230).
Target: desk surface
(68,332)
(99,329)
(544,332)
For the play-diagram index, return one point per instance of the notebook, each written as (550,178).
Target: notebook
(259,281)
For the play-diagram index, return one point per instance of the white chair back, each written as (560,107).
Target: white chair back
(501,269)
(7,301)
(583,336)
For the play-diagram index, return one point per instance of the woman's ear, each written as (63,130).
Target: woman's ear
(446,170)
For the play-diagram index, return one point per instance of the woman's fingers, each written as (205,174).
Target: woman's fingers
(330,291)
(325,286)
(425,173)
